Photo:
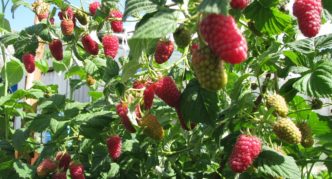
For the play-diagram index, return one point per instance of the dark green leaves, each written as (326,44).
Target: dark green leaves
(317,82)
(137,7)
(272,163)
(268,19)
(212,6)
(199,105)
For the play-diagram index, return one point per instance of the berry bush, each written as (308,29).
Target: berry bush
(209,89)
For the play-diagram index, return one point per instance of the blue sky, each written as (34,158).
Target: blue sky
(24,17)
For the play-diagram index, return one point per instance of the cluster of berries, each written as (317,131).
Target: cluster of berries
(58,167)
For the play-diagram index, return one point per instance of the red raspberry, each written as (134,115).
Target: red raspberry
(90,45)
(29,62)
(148,96)
(245,151)
(93,7)
(76,170)
(165,89)
(52,20)
(59,175)
(45,167)
(42,16)
(163,51)
(300,7)
(224,38)
(308,13)
(67,27)
(114,144)
(239,4)
(67,14)
(116,22)
(111,45)
(64,160)
(122,110)
(56,49)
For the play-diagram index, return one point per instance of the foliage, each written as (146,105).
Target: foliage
(299,70)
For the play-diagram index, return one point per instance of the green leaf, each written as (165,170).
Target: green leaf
(17,4)
(19,138)
(158,26)
(268,19)
(272,163)
(129,69)
(22,169)
(310,45)
(95,95)
(198,104)
(42,65)
(6,165)
(40,123)
(4,23)
(90,67)
(115,168)
(112,69)
(327,4)
(14,72)
(287,90)
(216,7)
(75,70)
(318,82)
(138,7)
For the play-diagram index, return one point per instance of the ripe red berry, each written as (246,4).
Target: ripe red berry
(93,7)
(45,167)
(59,175)
(122,110)
(148,96)
(224,38)
(165,89)
(67,27)
(239,4)
(114,144)
(76,170)
(29,62)
(116,20)
(52,20)
(245,151)
(163,51)
(63,159)
(90,45)
(308,13)
(56,49)
(111,45)
(42,16)
(66,14)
